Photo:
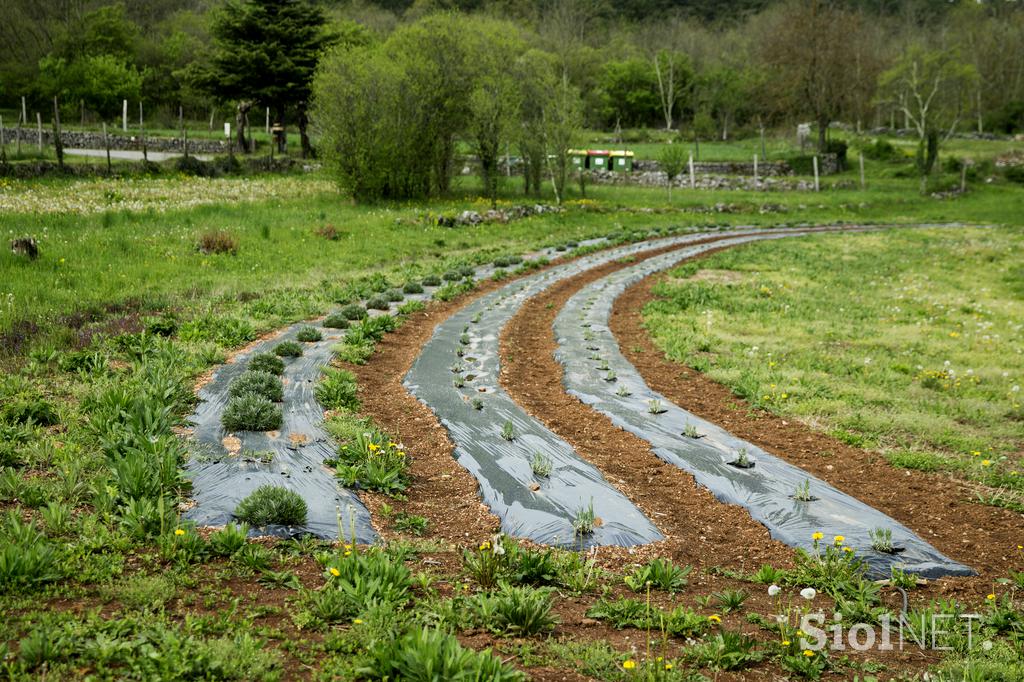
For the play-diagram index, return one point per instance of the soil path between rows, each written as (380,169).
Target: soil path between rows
(702,530)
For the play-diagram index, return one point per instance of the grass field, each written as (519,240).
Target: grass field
(97,234)
(910,342)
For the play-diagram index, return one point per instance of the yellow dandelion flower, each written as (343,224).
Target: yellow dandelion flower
(668,666)
(786,642)
(485,545)
(848,549)
(358,621)
(986,462)
(335,572)
(991,597)
(817,536)
(715,618)
(348,552)
(179,531)
(808,653)
(629,665)
(839,539)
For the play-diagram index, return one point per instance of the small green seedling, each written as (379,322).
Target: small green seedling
(881,540)
(623,392)
(803,492)
(654,406)
(508,431)
(585,520)
(541,465)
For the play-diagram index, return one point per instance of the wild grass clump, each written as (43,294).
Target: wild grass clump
(428,654)
(229,539)
(270,504)
(27,558)
(251,412)
(353,311)
(337,390)
(217,241)
(659,573)
(309,335)
(288,349)
(267,362)
(336,321)
(375,462)
(260,383)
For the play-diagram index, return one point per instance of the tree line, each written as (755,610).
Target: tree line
(485,72)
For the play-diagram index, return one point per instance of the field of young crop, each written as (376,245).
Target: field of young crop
(252,431)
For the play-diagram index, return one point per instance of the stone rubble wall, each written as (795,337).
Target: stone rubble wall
(87,140)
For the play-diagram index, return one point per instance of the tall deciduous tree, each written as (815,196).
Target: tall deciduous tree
(812,49)
(267,51)
(933,89)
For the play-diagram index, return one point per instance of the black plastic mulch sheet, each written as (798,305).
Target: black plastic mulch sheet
(536,507)
(766,490)
(296,452)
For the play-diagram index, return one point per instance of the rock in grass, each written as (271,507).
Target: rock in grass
(251,412)
(288,349)
(267,362)
(270,504)
(261,383)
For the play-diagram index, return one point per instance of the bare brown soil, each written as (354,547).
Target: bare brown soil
(938,507)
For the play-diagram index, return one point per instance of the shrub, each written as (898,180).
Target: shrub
(353,311)
(270,504)
(378,303)
(328,232)
(451,276)
(218,241)
(336,321)
(431,281)
(251,412)
(267,362)
(412,288)
(1015,174)
(466,271)
(288,349)
(309,335)
(261,383)
(337,390)
(394,295)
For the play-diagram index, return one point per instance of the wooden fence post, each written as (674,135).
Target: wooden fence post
(58,144)
(862,186)
(39,131)
(693,179)
(817,187)
(106,145)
